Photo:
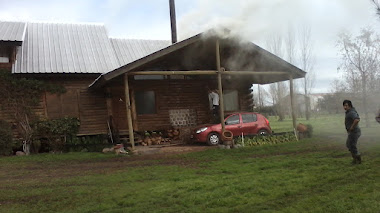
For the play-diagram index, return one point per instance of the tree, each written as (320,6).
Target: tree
(360,63)
(278,90)
(377,5)
(307,63)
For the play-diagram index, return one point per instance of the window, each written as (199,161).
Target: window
(149,77)
(231,101)
(4,56)
(4,59)
(234,119)
(59,106)
(248,118)
(145,102)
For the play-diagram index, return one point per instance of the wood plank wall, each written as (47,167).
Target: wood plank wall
(78,101)
(91,107)
(170,94)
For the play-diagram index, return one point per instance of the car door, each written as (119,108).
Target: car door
(249,123)
(233,124)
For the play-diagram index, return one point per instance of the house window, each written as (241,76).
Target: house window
(62,105)
(4,59)
(149,77)
(231,101)
(249,118)
(145,102)
(4,56)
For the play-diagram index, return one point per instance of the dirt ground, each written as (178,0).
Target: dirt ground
(148,156)
(171,149)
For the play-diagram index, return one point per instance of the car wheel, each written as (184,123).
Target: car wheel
(213,139)
(263,132)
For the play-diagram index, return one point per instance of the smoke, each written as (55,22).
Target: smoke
(252,20)
(255,20)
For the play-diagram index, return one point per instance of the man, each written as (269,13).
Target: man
(214,98)
(378,117)
(352,126)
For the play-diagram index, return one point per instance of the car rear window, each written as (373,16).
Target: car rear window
(234,119)
(248,118)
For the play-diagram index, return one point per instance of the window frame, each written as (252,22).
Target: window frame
(237,100)
(155,102)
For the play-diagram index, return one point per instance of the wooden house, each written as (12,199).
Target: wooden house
(135,85)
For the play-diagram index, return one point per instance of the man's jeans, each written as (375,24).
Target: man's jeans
(352,140)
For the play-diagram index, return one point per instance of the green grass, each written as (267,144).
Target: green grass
(311,175)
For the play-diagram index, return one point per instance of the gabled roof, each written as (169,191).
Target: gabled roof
(12,31)
(129,50)
(65,48)
(72,48)
(199,53)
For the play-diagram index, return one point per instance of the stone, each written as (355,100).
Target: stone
(106,150)
(20,153)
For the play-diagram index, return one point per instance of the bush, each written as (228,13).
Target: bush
(5,138)
(309,130)
(56,131)
(93,143)
(268,139)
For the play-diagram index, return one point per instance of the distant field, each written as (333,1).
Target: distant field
(311,175)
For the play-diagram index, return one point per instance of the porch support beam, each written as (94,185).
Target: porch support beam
(129,114)
(206,72)
(292,103)
(220,87)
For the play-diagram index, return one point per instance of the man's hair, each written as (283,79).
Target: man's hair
(347,102)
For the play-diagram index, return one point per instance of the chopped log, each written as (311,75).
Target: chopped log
(301,127)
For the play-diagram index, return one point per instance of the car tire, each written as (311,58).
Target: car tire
(213,139)
(262,132)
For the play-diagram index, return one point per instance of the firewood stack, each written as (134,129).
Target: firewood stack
(157,138)
(173,134)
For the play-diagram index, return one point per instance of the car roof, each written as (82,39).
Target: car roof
(230,113)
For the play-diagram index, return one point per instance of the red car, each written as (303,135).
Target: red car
(246,123)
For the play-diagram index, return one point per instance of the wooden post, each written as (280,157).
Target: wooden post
(220,88)
(109,102)
(292,103)
(134,111)
(109,113)
(129,114)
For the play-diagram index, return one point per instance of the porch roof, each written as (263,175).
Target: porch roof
(198,53)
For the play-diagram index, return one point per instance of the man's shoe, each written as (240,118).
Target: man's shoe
(354,159)
(358,159)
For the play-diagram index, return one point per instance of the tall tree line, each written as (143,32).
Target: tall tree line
(296,47)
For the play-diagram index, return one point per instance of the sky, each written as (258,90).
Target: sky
(255,20)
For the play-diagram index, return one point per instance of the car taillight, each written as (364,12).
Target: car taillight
(266,121)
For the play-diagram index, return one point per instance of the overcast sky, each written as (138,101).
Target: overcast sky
(254,19)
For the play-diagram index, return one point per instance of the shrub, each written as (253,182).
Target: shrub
(309,130)
(93,143)
(263,140)
(57,131)
(5,138)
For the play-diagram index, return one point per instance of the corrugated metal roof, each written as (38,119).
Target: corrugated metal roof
(65,48)
(12,31)
(129,50)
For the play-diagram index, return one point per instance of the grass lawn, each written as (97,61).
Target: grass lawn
(311,175)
